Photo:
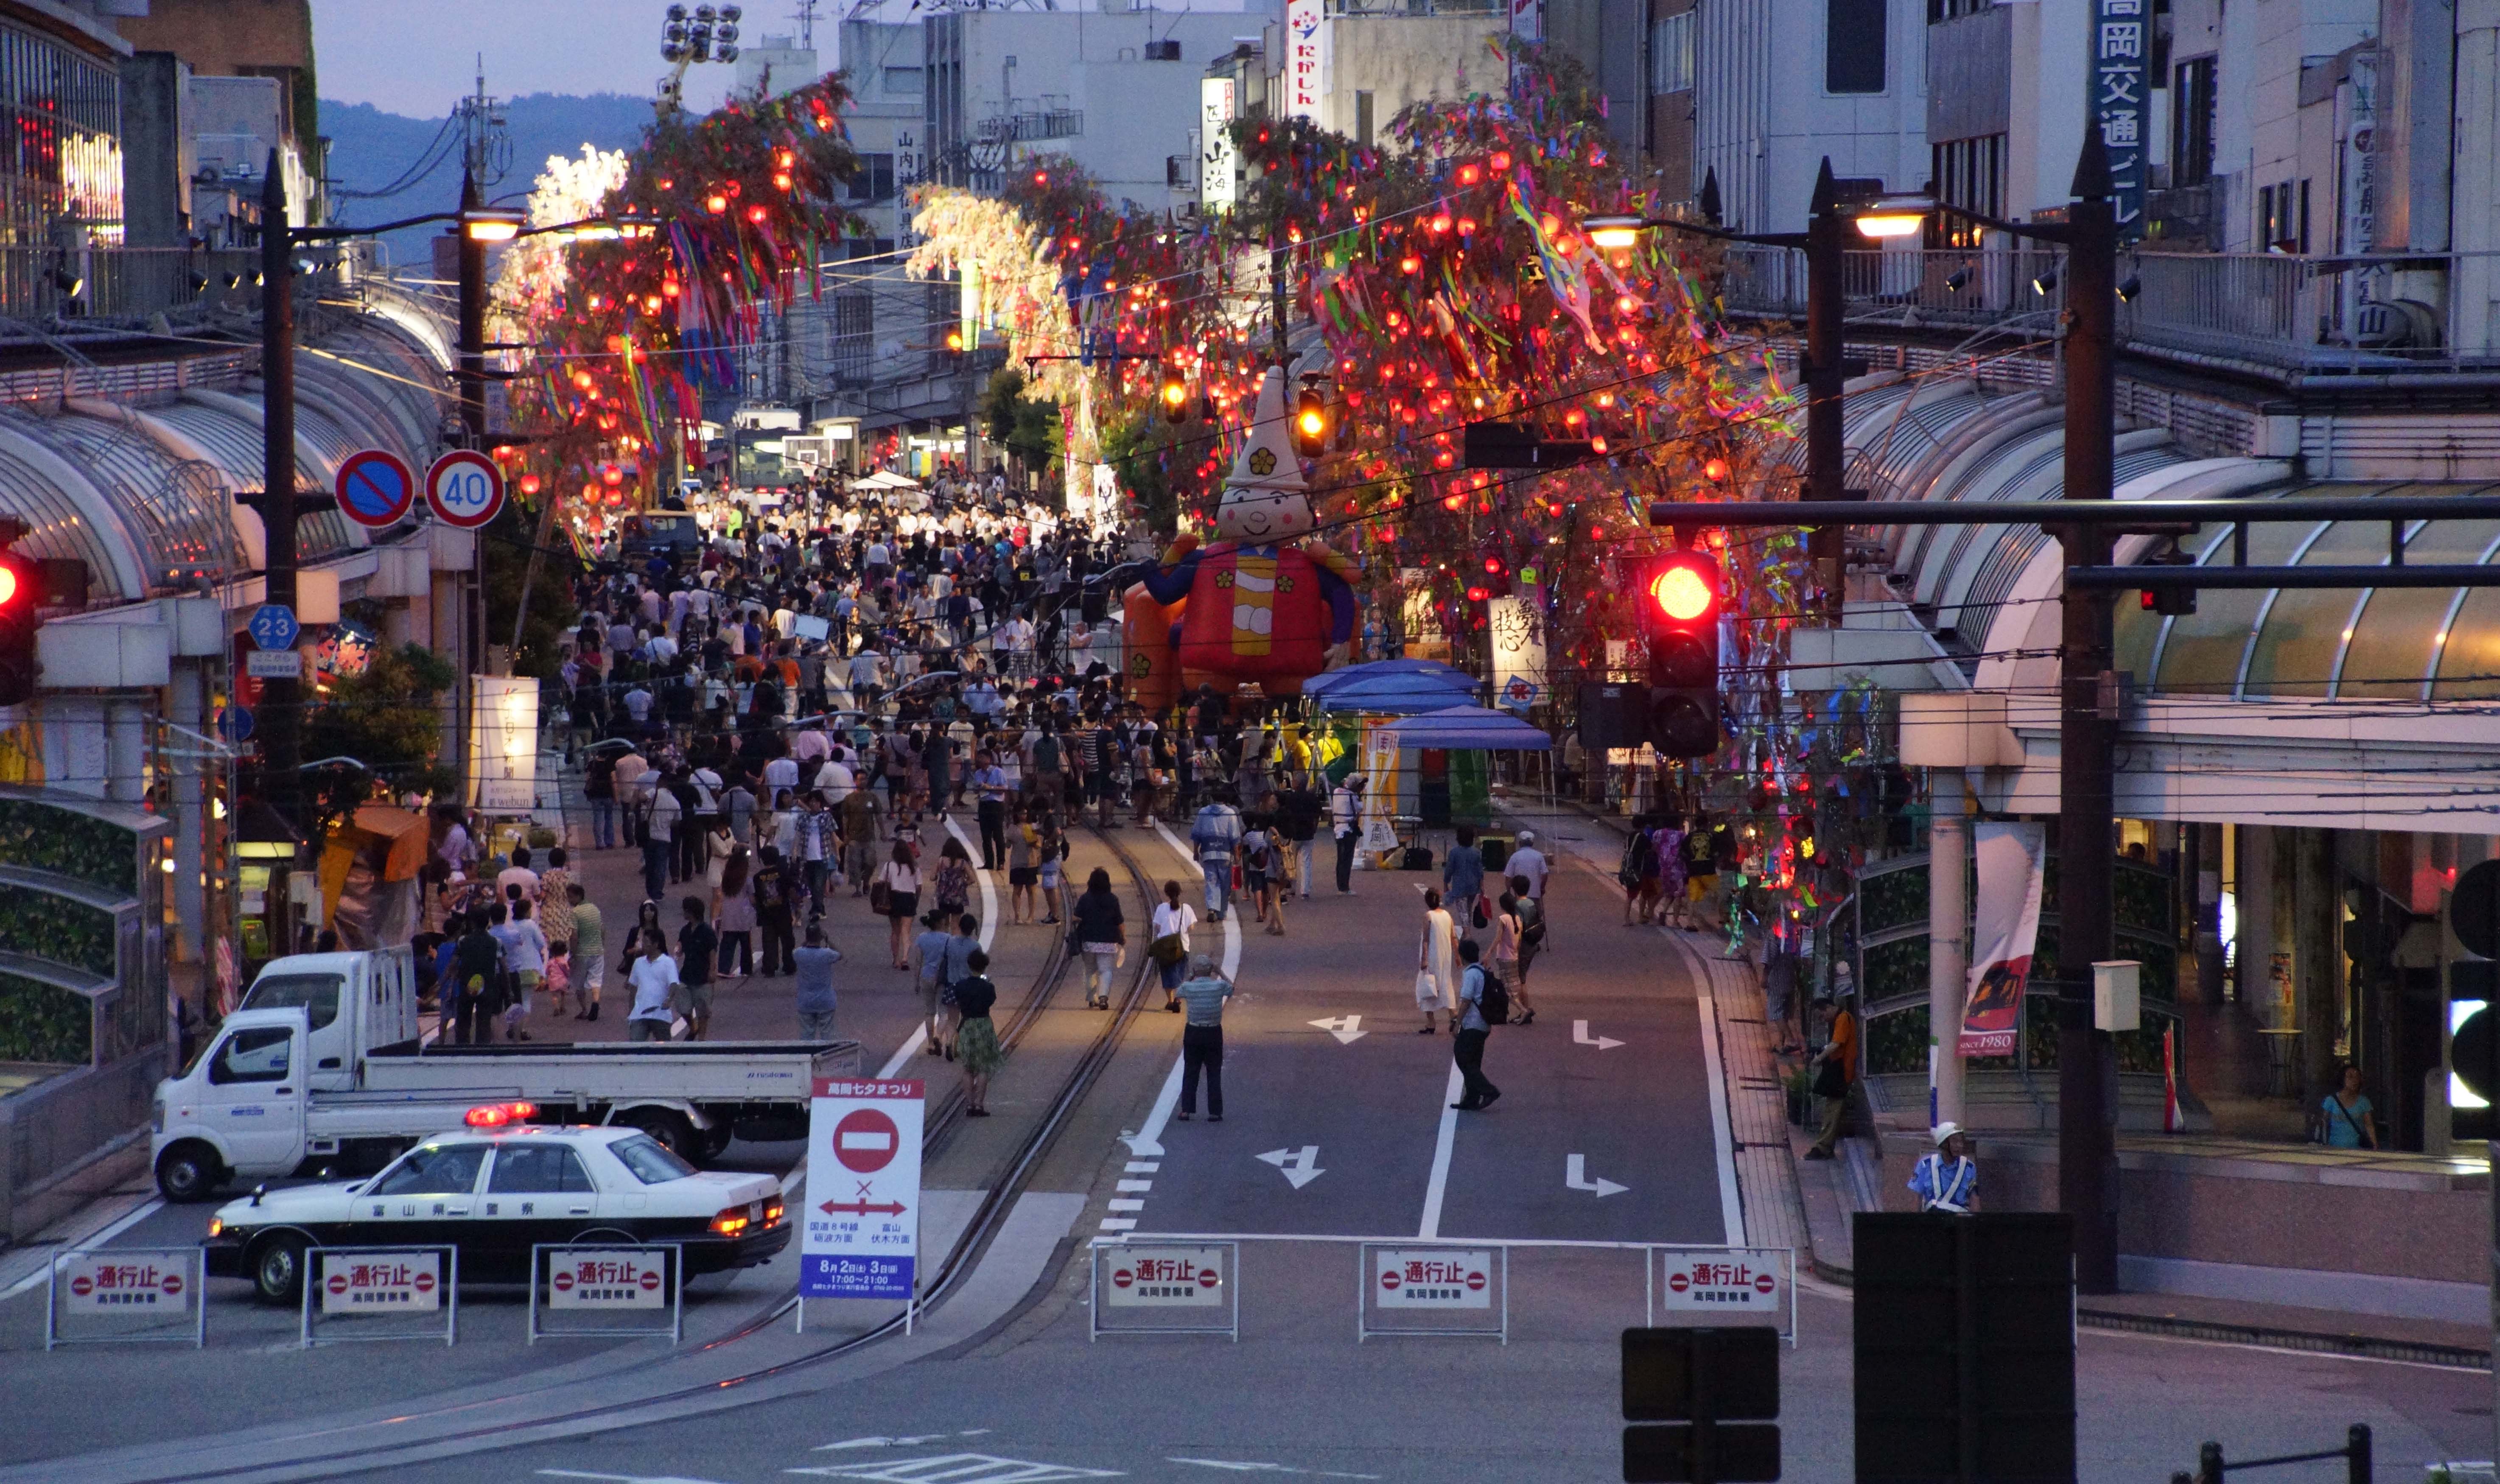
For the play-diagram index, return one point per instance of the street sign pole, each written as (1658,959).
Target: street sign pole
(280,700)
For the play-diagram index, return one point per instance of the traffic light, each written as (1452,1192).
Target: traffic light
(1679,611)
(1175,397)
(22,590)
(1310,424)
(955,342)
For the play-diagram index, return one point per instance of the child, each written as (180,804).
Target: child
(1053,850)
(559,976)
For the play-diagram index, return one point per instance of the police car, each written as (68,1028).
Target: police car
(495,1188)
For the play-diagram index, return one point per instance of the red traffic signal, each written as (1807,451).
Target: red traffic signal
(22,591)
(1681,592)
(1679,618)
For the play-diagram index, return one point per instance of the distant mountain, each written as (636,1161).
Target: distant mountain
(371,150)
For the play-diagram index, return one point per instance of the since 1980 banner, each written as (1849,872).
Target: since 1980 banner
(2004,933)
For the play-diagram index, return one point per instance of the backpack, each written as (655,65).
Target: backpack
(1495,1003)
(1640,858)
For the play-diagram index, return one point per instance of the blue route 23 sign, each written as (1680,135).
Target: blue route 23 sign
(272,625)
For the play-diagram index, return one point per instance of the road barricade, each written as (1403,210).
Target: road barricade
(1433,1288)
(1723,1286)
(126,1296)
(1145,1286)
(607,1290)
(382,1293)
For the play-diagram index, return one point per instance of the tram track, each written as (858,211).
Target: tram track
(435,1428)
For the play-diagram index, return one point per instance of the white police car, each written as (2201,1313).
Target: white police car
(495,1188)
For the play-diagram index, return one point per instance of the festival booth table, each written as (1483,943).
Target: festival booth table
(1408,790)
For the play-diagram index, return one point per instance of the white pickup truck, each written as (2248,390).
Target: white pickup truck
(322,1067)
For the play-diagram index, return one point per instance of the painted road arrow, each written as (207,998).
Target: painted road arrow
(1580,1035)
(865,1208)
(1300,1166)
(1575,1177)
(1347,1029)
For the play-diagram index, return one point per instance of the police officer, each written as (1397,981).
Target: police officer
(1947,1179)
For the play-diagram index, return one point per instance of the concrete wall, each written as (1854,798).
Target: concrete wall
(238,38)
(1405,59)
(1765,123)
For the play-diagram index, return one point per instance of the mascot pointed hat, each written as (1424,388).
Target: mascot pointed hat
(1266,500)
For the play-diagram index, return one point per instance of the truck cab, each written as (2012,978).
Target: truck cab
(354,1005)
(306,1026)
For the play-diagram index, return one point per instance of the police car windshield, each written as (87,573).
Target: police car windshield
(651,1160)
(316,994)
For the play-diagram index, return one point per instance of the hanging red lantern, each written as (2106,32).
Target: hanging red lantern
(716,203)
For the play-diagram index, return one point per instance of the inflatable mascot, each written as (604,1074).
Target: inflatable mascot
(1268,604)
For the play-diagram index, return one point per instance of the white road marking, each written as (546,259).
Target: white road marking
(1142,1167)
(957,1469)
(1300,1166)
(622,1478)
(1147,1143)
(920,1029)
(1136,1185)
(1731,1204)
(1118,1224)
(988,889)
(1438,1185)
(141,1213)
(1575,1177)
(1238,1465)
(1118,1204)
(881,1443)
(1348,1029)
(1580,1037)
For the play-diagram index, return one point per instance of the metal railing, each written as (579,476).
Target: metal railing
(2267,310)
(1414,7)
(1022,128)
(122,282)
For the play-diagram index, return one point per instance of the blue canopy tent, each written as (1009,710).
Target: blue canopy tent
(1469,728)
(1410,694)
(1381,669)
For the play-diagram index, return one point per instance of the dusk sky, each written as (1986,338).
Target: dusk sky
(416,60)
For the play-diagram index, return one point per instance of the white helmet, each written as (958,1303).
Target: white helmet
(1944,1131)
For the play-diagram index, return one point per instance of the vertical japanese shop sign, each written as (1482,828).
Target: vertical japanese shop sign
(860,1235)
(1219,160)
(2006,929)
(1307,57)
(2121,36)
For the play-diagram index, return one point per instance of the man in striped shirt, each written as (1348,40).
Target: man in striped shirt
(1202,1038)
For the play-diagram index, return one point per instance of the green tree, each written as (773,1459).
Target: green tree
(1026,427)
(390,719)
(552,614)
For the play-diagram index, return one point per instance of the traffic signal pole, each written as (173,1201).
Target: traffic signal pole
(472,425)
(281,701)
(2088,1174)
(1824,457)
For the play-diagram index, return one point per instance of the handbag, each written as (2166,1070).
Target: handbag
(1830,1080)
(1483,917)
(880,895)
(1166,950)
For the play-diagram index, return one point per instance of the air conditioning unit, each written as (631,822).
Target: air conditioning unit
(1181,173)
(1162,50)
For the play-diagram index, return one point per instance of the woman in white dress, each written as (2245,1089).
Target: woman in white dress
(1437,964)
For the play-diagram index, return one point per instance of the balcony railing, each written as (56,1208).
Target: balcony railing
(2269,312)
(44,283)
(1415,7)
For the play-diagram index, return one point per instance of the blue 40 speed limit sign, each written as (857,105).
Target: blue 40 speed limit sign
(464,487)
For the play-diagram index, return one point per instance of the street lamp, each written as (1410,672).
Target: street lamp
(492,224)
(2088,1173)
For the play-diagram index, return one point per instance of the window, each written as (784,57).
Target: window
(1942,11)
(529,1168)
(2282,218)
(2191,122)
(257,1055)
(1967,173)
(649,1159)
(316,994)
(874,181)
(433,1169)
(903,80)
(1853,46)
(1670,53)
(1363,119)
